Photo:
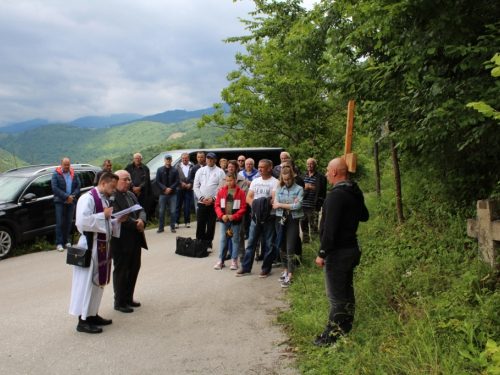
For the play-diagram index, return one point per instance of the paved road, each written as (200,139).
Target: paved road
(194,319)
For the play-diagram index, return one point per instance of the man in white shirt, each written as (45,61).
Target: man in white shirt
(205,184)
(260,197)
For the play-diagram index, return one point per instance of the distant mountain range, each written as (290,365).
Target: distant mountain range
(168,117)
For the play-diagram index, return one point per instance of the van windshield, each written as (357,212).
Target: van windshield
(159,160)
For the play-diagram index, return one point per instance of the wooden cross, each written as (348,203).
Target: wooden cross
(486,228)
(349,157)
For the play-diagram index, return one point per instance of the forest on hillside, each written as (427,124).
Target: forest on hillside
(48,144)
(423,75)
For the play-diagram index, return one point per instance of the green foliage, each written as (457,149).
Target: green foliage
(279,95)
(9,161)
(417,64)
(482,107)
(425,303)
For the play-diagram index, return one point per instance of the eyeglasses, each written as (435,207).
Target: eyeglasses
(241,160)
(126,179)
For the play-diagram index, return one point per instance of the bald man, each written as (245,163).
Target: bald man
(66,188)
(126,249)
(339,254)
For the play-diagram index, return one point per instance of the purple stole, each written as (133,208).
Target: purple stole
(103,255)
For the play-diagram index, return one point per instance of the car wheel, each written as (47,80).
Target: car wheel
(7,242)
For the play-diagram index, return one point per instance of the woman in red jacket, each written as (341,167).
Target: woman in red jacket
(230,207)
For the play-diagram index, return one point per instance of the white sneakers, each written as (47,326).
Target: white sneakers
(220,265)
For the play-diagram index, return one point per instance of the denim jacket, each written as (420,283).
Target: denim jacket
(288,196)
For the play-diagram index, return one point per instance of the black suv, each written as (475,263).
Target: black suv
(27,203)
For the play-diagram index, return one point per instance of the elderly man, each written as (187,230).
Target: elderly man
(141,181)
(339,253)
(277,169)
(126,249)
(93,220)
(66,188)
(260,197)
(205,187)
(241,163)
(250,172)
(106,167)
(184,191)
(167,180)
(314,196)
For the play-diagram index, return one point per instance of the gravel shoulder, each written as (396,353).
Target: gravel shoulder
(193,319)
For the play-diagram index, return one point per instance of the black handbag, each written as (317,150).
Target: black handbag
(191,248)
(78,256)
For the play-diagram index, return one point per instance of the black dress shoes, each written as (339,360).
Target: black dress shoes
(124,308)
(98,321)
(84,326)
(133,304)
(325,340)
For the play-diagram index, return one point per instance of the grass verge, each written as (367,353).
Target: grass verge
(425,303)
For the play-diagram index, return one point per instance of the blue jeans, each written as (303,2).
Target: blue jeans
(339,271)
(183,196)
(171,199)
(270,234)
(235,241)
(64,218)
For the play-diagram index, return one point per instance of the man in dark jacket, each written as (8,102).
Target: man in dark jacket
(141,182)
(339,253)
(66,188)
(314,196)
(167,179)
(106,167)
(126,249)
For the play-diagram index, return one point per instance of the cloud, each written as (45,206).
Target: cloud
(63,59)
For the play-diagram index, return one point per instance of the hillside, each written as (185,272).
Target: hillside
(49,143)
(7,161)
(20,127)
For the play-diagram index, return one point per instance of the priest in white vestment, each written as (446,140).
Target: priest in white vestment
(86,293)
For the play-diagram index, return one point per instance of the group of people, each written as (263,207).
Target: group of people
(272,202)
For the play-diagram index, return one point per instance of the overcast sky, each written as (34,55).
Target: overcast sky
(64,59)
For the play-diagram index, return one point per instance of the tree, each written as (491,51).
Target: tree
(419,63)
(279,95)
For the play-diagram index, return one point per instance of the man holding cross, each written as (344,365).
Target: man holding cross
(339,253)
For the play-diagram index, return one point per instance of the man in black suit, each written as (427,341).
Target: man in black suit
(126,249)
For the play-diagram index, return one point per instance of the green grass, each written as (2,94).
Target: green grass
(425,303)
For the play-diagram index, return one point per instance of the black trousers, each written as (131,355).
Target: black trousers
(205,228)
(126,271)
(339,271)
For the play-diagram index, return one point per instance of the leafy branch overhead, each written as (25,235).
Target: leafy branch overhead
(482,107)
